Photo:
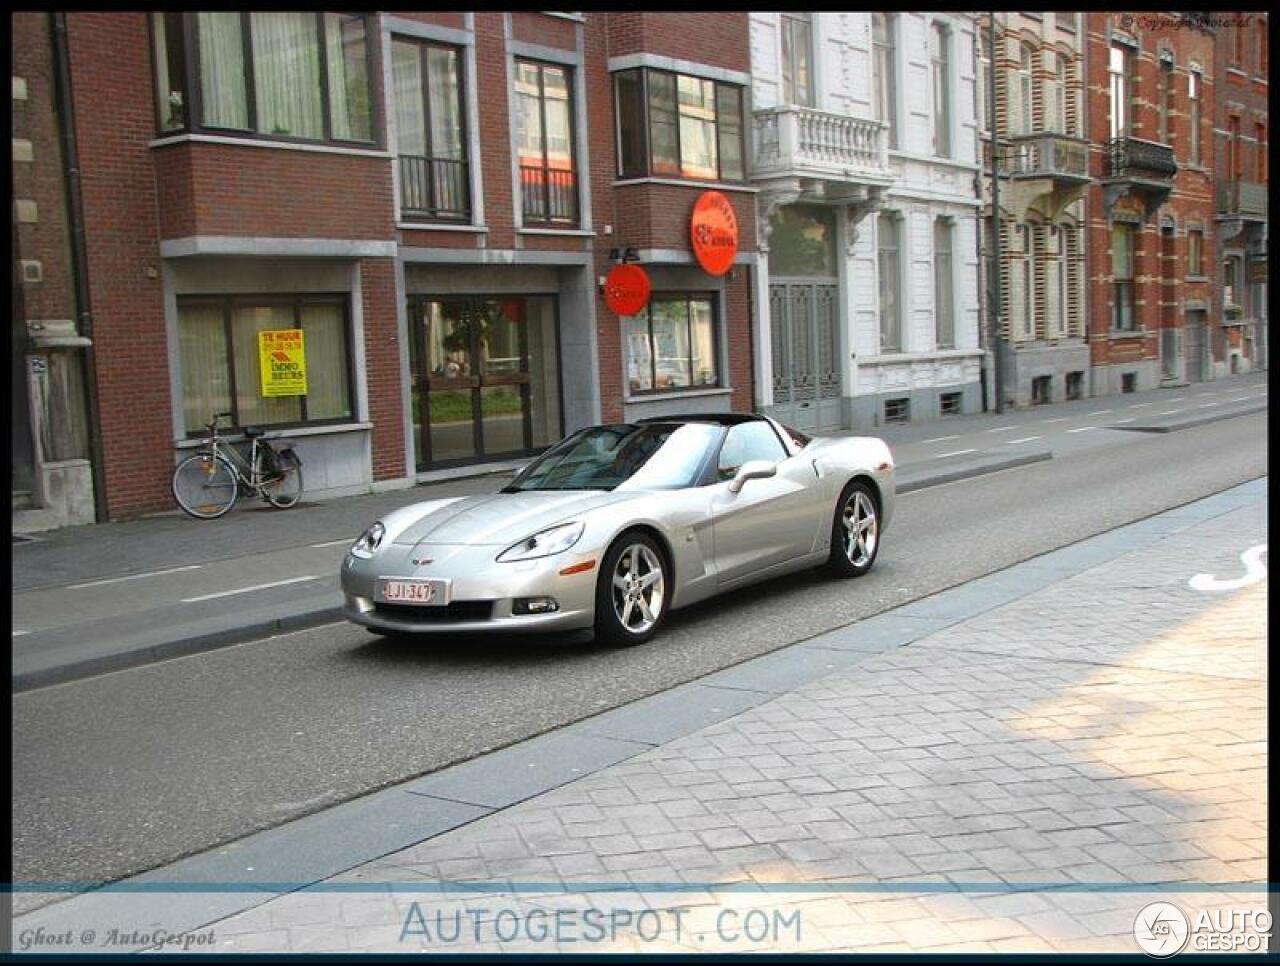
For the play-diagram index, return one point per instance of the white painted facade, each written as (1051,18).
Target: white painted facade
(852,169)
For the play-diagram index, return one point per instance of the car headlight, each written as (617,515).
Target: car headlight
(544,543)
(367,543)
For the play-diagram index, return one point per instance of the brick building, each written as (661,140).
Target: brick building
(432,198)
(1150,101)
(1240,134)
(1043,167)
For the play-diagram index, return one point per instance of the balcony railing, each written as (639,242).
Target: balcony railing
(801,140)
(1048,156)
(1242,198)
(1134,158)
(548,195)
(434,188)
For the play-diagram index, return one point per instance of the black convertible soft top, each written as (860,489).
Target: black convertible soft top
(720,419)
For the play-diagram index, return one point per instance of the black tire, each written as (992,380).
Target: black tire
(205,487)
(285,491)
(851,556)
(633,555)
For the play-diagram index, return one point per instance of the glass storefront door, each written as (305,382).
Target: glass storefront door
(485,377)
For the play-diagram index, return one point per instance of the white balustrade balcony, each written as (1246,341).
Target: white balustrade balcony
(803,142)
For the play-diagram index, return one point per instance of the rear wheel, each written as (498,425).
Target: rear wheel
(284,488)
(204,486)
(631,594)
(855,531)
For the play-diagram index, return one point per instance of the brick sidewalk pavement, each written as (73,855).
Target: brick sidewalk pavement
(1015,782)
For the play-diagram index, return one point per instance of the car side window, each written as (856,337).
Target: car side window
(746,442)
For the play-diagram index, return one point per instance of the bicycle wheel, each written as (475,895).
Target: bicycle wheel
(204,486)
(284,490)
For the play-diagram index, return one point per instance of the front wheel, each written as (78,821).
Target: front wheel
(631,595)
(855,531)
(204,486)
(284,488)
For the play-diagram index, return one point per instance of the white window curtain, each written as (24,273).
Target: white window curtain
(325,344)
(348,77)
(202,347)
(446,107)
(222,84)
(286,63)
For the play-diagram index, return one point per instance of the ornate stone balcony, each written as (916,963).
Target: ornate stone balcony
(801,142)
(1242,199)
(1054,156)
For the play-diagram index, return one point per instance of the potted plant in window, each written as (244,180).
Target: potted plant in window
(176,113)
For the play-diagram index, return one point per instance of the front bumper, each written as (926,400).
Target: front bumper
(483,590)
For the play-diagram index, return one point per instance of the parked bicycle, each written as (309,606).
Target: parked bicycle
(208,483)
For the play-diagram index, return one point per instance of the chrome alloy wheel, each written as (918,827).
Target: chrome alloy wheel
(861,528)
(638,588)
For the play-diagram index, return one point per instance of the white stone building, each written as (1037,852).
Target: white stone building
(867,303)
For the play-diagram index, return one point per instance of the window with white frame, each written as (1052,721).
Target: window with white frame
(939,55)
(1193,112)
(1123,240)
(944,306)
(882,73)
(1055,289)
(671,344)
(1023,80)
(797,57)
(1021,284)
(544,144)
(1164,99)
(888,244)
(1118,77)
(1056,101)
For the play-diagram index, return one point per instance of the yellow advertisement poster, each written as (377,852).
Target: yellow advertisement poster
(283,362)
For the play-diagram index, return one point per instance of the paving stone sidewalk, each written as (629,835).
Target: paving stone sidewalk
(1025,780)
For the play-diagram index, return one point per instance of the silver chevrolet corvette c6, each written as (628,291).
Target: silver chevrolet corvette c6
(617,525)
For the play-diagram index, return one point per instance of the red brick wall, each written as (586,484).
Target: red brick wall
(111,78)
(493,86)
(720,38)
(41,179)
(538,28)
(382,351)
(441,18)
(224,189)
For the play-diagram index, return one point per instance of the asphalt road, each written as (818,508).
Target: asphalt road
(119,773)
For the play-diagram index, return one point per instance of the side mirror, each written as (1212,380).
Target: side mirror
(752,470)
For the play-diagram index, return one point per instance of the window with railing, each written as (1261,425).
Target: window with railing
(545,144)
(1123,237)
(678,126)
(272,74)
(430,131)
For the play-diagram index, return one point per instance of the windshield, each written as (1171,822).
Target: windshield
(653,456)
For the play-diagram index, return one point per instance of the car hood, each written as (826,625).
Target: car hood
(504,518)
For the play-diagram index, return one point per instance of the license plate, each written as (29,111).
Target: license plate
(425,593)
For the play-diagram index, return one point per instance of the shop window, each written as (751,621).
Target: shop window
(544,143)
(221,365)
(678,126)
(897,410)
(950,403)
(287,75)
(672,344)
(430,130)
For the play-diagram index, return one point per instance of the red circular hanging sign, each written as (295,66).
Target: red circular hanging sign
(714,232)
(626,289)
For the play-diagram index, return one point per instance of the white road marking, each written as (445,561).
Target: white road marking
(116,580)
(1056,419)
(1237,399)
(1002,429)
(1206,405)
(1138,405)
(939,439)
(245,590)
(1025,439)
(20,633)
(959,452)
(1254,570)
(1169,412)
(1208,394)
(333,543)
(1081,429)
(1117,422)
(1175,399)
(1099,412)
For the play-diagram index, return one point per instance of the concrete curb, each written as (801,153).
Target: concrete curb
(313,617)
(1172,425)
